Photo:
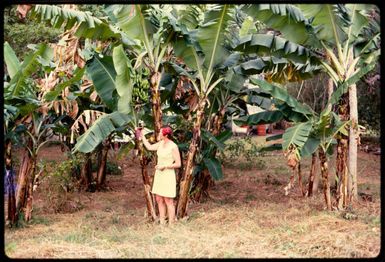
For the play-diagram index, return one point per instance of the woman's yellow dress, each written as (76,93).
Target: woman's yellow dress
(165,180)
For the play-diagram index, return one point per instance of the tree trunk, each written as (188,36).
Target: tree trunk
(31,179)
(353,138)
(300,179)
(22,181)
(188,169)
(102,170)
(10,183)
(86,173)
(312,174)
(156,103)
(204,180)
(353,143)
(201,186)
(325,177)
(155,78)
(341,158)
(146,179)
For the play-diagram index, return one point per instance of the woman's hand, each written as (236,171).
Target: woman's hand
(139,134)
(161,168)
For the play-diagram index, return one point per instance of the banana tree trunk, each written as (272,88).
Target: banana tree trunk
(205,180)
(157,114)
(341,159)
(31,179)
(188,169)
(300,184)
(353,143)
(102,170)
(201,186)
(86,173)
(156,103)
(11,216)
(312,174)
(325,177)
(146,180)
(22,181)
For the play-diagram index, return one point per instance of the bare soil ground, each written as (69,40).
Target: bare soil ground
(246,216)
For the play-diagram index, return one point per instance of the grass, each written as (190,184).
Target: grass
(247,217)
(218,232)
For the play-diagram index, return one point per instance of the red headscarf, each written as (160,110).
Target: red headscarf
(166,131)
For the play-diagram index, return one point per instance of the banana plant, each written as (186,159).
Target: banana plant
(20,103)
(202,50)
(311,132)
(132,26)
(331,28)
(86,24)
(208,167)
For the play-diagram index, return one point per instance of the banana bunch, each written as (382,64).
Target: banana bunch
(141,87)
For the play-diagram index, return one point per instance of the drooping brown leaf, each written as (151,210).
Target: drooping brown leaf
(94,96)
(75,109)
(22,10)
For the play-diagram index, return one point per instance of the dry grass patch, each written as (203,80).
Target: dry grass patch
(247,217)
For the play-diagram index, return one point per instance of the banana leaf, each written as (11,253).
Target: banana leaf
(102,73)
(102,128)
(214,167)
(297,135)
(11,60)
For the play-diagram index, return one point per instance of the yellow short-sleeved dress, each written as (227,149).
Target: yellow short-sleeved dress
(165,180)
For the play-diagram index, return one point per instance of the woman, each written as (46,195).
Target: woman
(164,186)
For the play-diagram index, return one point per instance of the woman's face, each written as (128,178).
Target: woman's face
(160,136)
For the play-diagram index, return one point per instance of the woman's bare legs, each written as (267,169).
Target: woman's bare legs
(170,209)
(162,208)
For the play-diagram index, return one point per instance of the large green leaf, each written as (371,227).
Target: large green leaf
(358,19)
(186,50)
(296,135)
(11,60)
(234,82)
(280,70)
(262,102)
(268,44)
(207,136)
(214,167)
(138,24)
(189,16)
(132,20)
(27,68)
(325,20)
(211,35)
(102,74)
(288,19)
(344,87)
(265,117)
(310,146)
(123,81)
(103,127)
(89,26)
(281,94)
(225,135)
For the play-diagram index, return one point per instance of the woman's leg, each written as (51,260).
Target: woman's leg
(162,208)
(170,209)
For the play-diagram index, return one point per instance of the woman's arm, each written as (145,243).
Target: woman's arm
(149,147)
(176,156)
